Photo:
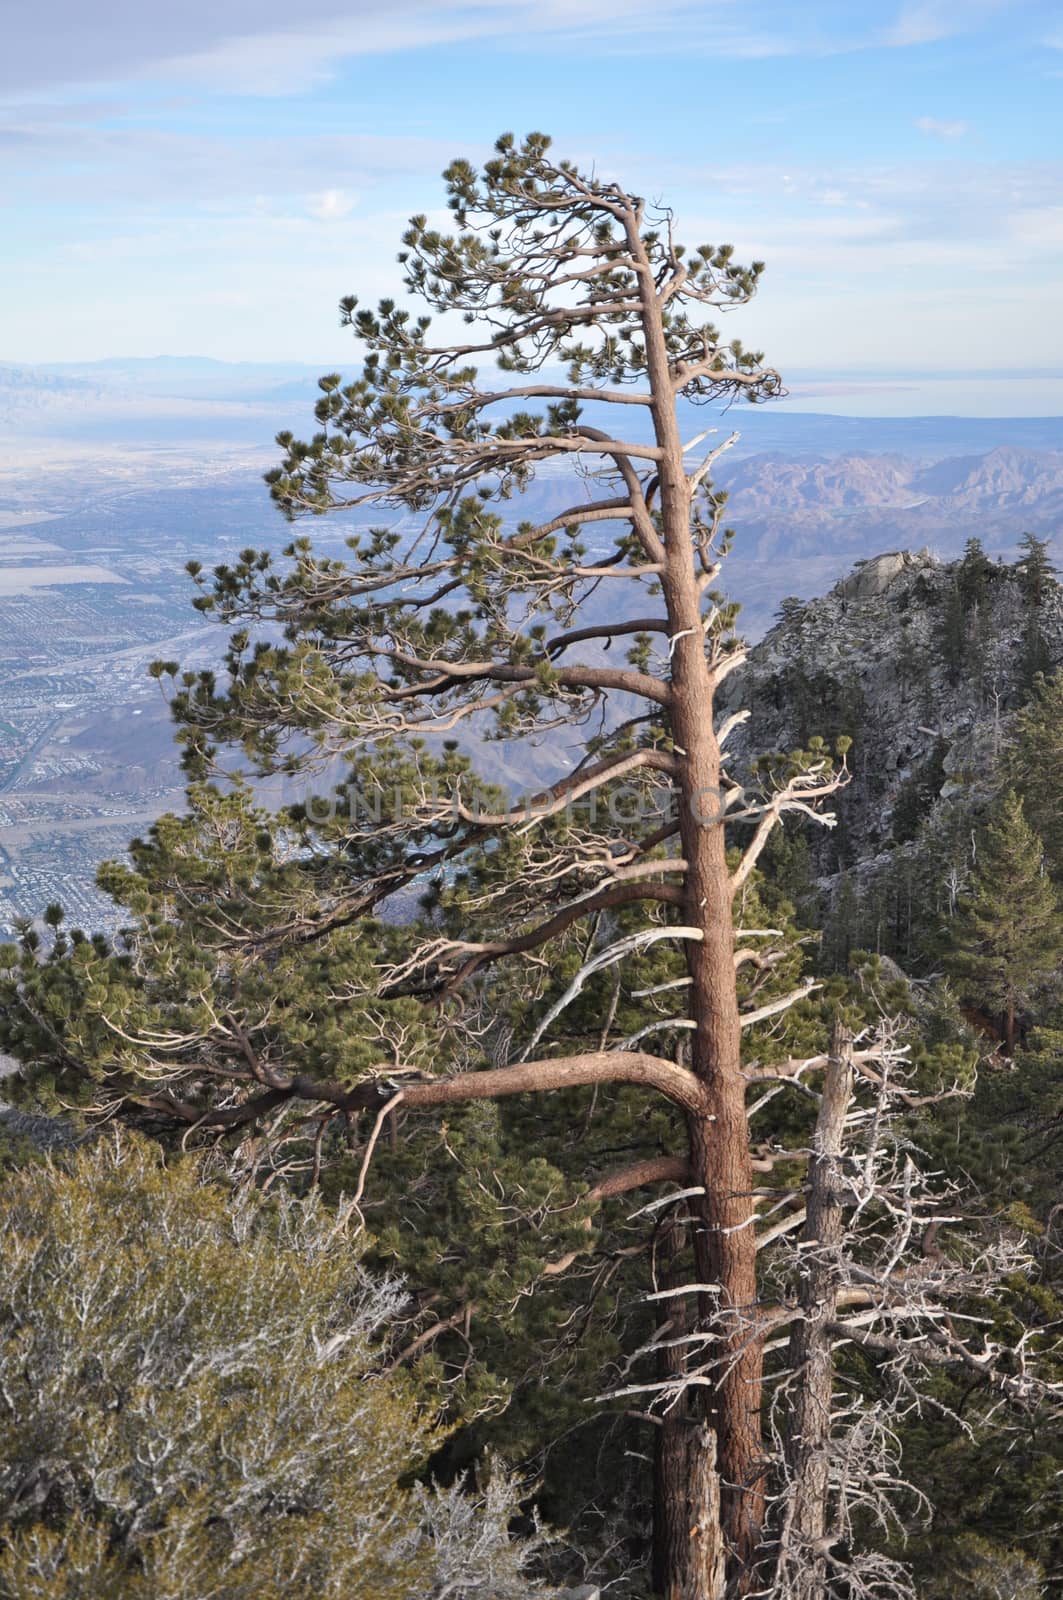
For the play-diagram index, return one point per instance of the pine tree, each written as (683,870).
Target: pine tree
(842,929)
(916,795)
(952,634)
(1037,580)
(962,635)
(1037,575)
(1036,766)
(500,1267)
(790,610)
(1008,934)
(465,623)
(975,574)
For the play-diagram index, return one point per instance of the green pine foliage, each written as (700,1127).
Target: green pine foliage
(1037,575)
(1026,1107)
(1037,581)
(962,631)
(1007,939)
(477,1212)
(1036,765)
(215,964)
(917,794)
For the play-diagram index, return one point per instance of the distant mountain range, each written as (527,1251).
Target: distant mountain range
(801,519)
(862,503)
(809,493)
(162,401)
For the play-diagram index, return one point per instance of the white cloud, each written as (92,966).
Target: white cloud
(936,128)
(128,165)
(331,204)
(917,25)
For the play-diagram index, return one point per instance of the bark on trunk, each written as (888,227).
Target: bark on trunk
(692,1560)
(671,1512)
(724,1238)
(724,1242)
(690,1556)
(688,1548)
(724,1254)
(671,1521)
(811,1347)
(706,1552)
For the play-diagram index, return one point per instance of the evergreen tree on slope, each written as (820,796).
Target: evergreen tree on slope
(1008,934)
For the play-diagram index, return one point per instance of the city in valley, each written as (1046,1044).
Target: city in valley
(93,545)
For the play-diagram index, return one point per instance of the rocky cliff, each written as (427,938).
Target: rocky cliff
(923,663)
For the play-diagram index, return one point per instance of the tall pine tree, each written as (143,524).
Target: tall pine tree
(1037,766)
(1008,935)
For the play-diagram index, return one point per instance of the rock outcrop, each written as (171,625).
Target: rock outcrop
(922,663)
(872,578)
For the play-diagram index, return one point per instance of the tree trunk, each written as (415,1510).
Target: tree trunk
(671,1512)
(811,1344)
(671,1519)
(706,1565)
(690,1556)
(724,1237)
(724,1240)
(724,1253)
(688,1549)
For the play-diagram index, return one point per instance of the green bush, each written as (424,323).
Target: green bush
(194,1405)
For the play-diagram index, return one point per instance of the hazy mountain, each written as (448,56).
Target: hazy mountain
(859,504)
(27,394)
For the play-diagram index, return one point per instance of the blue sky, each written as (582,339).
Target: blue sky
(210,177)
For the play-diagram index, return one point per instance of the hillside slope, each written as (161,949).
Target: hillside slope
(923,663)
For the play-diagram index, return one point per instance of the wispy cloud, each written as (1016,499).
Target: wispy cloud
(928,21)
(138,167)
(1040,228)
(287,60)
(258,47)
(134,166)
(935,128)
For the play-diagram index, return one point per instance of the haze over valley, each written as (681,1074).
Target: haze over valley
(114,474)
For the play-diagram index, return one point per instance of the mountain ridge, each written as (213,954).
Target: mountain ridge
(867,501)
(924,664)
